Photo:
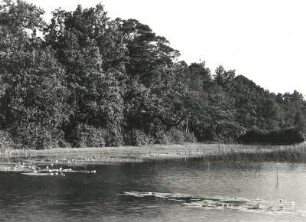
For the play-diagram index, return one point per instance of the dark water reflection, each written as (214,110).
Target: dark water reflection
(96,197)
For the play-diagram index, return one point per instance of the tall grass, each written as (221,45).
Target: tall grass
(165,152)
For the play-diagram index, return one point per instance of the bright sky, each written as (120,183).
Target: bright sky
(265,40)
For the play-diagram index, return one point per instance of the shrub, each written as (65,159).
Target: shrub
(137,138)
(228,131)
(280,137)
(175,136)
(5,140)
(113,137)
(35,136)
(89,136)
(190,137)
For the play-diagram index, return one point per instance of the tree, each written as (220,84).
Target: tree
(91,49)
(199,77)
(146,51)
(33,100)
(21,18)
(223,77)
(167,100)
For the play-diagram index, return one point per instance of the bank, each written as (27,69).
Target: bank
(98,155)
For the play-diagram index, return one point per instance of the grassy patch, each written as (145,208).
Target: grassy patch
(160,152)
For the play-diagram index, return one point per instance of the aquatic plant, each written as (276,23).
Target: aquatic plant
(206,202)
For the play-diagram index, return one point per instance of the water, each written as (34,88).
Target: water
(98,197)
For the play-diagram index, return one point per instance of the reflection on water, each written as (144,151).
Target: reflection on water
(98,197)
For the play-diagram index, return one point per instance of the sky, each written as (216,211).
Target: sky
(264,40)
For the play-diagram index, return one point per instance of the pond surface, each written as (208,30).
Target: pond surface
(99,197)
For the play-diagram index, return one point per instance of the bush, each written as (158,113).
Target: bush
(113,137)
(280,137)
(6,141)
(174,136)
(228,131)
(85,135)
(137,138)
(89,136)
(190,137)
(35,136)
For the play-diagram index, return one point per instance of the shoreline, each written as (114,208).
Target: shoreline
(126,154)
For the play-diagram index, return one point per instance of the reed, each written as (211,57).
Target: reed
(163,152)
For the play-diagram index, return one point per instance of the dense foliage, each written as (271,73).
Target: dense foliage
(84,79)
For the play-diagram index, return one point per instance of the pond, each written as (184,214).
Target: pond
(192,190)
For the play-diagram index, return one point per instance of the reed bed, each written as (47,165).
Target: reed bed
(125,154)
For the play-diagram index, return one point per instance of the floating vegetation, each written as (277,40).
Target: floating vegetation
(30,169)
(43,174)
(257,205)
(19,167)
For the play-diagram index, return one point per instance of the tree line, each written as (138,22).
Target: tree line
(85,80)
